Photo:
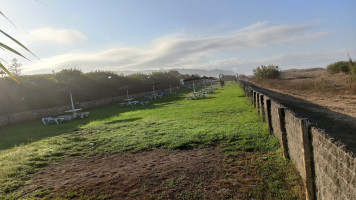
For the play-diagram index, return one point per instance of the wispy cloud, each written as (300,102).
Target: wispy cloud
(49,35)
(179,51)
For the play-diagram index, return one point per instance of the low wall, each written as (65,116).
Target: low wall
(327,169)
(59,110)
(335,169)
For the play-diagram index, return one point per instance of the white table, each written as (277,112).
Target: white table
(195,95)
(74,112)
(128,101)
(154,95)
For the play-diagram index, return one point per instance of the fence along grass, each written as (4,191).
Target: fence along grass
(40,91)
(171,123)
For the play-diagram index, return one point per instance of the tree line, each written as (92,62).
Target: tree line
(50,90)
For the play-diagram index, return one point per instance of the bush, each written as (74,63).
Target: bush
(44,90)
(340,66)
(352,67)
(267,72)
(242,77)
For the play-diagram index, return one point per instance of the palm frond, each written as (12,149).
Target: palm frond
(7,48)
(8,73)
(7,18)
(2,60)
(23,46)
(12,50)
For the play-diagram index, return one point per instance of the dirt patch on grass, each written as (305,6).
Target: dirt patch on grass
(158,174)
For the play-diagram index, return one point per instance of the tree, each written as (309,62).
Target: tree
(267,72)
(15,68)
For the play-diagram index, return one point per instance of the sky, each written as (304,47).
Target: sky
(136,35)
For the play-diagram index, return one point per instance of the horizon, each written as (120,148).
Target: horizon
(137,36)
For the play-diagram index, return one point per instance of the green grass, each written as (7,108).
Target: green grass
(224,118)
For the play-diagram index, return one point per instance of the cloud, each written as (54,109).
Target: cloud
(66,37)
(284,61)
(180,51)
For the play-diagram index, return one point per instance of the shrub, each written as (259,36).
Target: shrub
(340,66)
(44,90)
(242,77)
(352,67)
(267,72)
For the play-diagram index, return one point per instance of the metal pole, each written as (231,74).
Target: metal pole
(170,86)
(71,99)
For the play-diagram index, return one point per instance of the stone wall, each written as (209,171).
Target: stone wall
(275,121)
(327,169)
(295,141)
(335,169)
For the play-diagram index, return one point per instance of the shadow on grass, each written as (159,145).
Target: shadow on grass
(28,132)
(124,120)
(209,97)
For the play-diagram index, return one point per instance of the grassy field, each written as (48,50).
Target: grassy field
(225,119)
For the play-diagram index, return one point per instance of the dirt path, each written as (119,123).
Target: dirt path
(193,174)
(340,126)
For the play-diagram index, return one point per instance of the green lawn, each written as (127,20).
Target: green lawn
(225,118)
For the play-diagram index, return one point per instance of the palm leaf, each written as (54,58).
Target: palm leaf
(3,61)
(7,72)
(5,47)
(7,18)
(12,50)
(23,46)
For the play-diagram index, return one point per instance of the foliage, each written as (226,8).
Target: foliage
(352,66)
(242,77)
(340,66)
(267,72)
(171,122)
(42,91)
(15,68)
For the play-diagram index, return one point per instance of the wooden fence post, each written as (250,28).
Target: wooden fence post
(308,159)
